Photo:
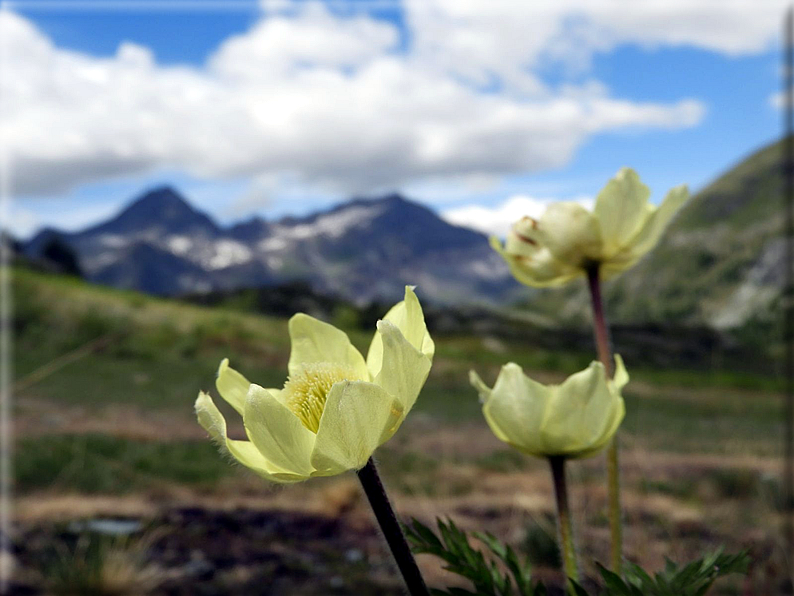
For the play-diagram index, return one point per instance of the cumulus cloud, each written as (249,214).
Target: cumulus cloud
(480,39)
(332,102)
(498,220)
(314,38)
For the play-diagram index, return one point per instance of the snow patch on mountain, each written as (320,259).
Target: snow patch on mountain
(489,268)
(179,245)
(363,250)
(272,244)
(228,253)
(334,224)
(112,240)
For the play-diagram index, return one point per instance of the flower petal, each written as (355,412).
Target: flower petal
(533,265)
(483,389)
(277,393)
(611,424)
(516,408)
(408,317)
(277,433)
(581,410)
(621,375)
(358,417)
(571,233)
(647,237)
(316,342)
(404,369)
(621,210)
(610,428)
(243,451)
(618,263)
(232,386)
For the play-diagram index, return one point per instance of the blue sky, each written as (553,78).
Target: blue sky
(482,110)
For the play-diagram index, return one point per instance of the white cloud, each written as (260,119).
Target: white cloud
(499,219)
(325,100)
(480,39)
(282,46)
(260,193)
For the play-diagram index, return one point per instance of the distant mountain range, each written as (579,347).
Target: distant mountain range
(362,250)
(720,264)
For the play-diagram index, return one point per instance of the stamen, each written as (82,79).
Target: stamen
(305,393)
(533,224)
(526,239)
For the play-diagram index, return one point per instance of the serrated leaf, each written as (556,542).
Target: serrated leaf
(462,559)
(636,575)
(421,534)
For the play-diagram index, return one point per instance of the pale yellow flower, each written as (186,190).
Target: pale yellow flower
(568,239)
(575,419)
(336,408)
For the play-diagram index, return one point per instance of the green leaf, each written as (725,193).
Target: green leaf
(692,579)
(615,585)
(452,545)
(636,575)
(420,535)
(577,589)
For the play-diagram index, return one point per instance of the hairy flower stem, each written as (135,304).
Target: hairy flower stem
(376,494)
(557,463)
(613,468)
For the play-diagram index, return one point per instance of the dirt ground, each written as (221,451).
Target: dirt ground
(244,537)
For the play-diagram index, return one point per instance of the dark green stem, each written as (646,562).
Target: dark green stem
(376,494)
(557,463)
(601,332)
(600,329)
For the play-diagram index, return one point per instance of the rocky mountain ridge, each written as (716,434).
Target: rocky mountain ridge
(720,264)
(362,250)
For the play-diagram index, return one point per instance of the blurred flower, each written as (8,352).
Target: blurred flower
(336,408)
(575,419)
(568,238)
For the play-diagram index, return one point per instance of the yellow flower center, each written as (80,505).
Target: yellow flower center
(306,392)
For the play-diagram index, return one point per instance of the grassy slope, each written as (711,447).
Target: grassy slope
(696,472)
(702,259)
(154,356)
(710,247)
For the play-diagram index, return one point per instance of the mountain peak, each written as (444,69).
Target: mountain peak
(391,199)
(160,209)
(162,194)
(163,201)
(394,197)
(161,244)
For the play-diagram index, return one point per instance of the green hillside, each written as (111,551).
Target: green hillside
(110,375)
(104,427)
(720,263)
(79,343)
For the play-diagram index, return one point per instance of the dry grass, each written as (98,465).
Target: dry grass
(38,417)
